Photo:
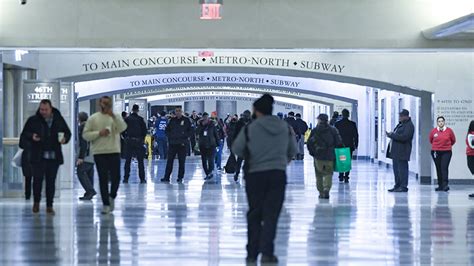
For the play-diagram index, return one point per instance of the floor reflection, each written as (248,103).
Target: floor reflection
(204,223)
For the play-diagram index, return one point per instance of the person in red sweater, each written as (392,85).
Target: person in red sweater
(470,149)
(442,140)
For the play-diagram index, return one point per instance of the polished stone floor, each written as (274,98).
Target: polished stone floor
(198,223)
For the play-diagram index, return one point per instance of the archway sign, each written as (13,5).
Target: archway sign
(416,73)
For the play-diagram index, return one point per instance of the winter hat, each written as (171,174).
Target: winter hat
(264,104)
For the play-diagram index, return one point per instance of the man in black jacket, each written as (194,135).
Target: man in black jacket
(178,132)
(243,121)
(301,127)
(208,141)
(399,150)
(135,137)
(350,137)
(42,136)
(85,162)
(321,144)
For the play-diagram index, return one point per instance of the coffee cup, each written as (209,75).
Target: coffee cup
(60,136)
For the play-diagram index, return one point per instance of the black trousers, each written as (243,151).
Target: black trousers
(108,168)
(134,148)
(265,195)
(346,174)
(28,187)
(400,171)
(173,150)
(46,170)
(207,157)
(442,160)
(470,163)
(238,165)
(85,174)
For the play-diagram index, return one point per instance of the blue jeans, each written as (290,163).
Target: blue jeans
(218,159)
(162,147)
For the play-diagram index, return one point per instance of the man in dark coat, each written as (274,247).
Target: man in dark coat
(302,127)
(350,137)
(208,141)
(243,121)
(178,132)
(134,141)
(399,150)
(321,145)
(42,136)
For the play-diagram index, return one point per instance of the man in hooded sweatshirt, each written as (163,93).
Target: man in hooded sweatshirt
(265,175)
(321,144)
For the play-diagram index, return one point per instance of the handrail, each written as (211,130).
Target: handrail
(11,141)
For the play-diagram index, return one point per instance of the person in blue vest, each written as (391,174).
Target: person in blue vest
(160,135)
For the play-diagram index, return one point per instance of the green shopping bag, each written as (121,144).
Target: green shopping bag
(343,162)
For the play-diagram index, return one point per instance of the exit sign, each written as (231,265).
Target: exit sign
(211,11)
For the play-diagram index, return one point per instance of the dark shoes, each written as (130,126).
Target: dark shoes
(209,177)
(471,195)
(445,189)
(269,259)
(50,210)
(165,180)
(88,196)
(236,178)
(398,189)
(125,181)
(179,180)
(344,179)
(143,181)
(324,195)
(36,207)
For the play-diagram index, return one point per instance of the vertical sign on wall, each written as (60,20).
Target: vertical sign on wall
(66,107)
(34,91)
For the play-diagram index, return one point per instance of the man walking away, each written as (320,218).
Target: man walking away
(350,138)
(399,150)
(334,119)
(85,162)
(135,137)
(178,132)
(42,137)
(265,175)
(243,121)
(302,127)
(321,144)
(160,134)
(208,140)
(103,130)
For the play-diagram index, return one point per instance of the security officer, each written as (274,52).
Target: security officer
(135,137)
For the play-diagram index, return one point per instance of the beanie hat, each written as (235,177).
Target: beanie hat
(264,104)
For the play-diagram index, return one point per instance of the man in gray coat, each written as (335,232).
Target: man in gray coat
(268,145)
(399,150)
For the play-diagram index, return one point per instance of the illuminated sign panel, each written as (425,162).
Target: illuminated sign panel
(210,11)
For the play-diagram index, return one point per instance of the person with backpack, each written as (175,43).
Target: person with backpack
(265,175)
(350,137)
(321,145)
(85,161)
(302,127)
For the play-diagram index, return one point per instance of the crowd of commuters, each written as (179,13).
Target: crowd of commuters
(105,138)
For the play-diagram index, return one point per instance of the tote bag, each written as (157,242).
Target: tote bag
(343,161)
(16,161)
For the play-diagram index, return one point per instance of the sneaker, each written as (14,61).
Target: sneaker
(36,207)
(88,196)
(165,180)
(112,204)
(106,210)
(269,259)
(50,210)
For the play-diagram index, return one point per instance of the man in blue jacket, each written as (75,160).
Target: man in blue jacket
(399,150)
(160,135)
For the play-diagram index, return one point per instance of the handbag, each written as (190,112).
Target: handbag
(16,161)
(343,162)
